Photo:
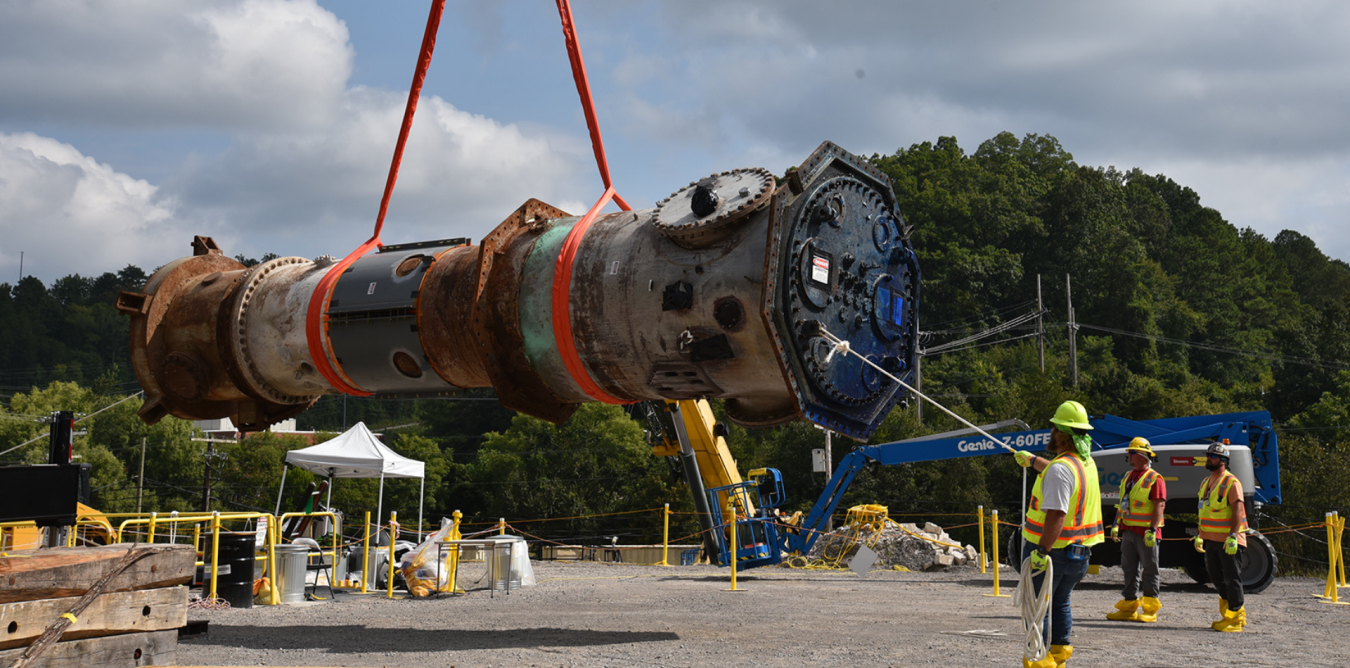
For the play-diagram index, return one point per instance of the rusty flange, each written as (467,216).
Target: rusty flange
(178,323)
(497,316)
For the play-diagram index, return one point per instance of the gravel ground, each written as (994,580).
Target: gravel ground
(587,614)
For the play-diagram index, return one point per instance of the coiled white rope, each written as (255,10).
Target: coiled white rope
(1035,606)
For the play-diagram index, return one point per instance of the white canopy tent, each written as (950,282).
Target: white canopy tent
(356,453)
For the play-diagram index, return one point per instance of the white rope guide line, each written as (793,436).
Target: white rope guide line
(841,345)
(39,438)
(1035,607)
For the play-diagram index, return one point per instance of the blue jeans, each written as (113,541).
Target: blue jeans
(1068,573)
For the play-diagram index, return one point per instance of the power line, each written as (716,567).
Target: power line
(1304,361)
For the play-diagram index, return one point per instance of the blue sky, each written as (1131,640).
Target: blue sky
(128,127)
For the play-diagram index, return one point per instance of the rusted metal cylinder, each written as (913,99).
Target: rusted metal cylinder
(721,291)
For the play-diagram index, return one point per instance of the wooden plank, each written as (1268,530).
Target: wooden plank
(157,648)
(110,614)
(70,571)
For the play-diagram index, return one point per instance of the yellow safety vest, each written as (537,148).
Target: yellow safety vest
(1084,524)
(1216,514)
(1136,508)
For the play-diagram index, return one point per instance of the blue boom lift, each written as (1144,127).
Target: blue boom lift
(1179,442)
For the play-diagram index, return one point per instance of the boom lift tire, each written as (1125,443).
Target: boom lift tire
(1259,564)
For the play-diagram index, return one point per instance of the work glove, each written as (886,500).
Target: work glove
(1115,532)
(1040,560)
(1150,538)
(1024,458)
(1199,544)
(1230,546)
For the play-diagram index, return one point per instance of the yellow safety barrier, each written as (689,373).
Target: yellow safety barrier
(734,549)
(1341,555)
(215,551)
(665,536)
(993,523)
(336,531)
(980,512)
(1335,525)
(393,535)
(365,555)
(214,519)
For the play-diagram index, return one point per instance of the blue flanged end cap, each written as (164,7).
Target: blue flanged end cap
(845,265)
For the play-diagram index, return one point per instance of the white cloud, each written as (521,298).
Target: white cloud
(69,214)
(318,191)
(156,63)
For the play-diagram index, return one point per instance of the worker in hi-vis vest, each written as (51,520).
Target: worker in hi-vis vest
(1063,521)
(1139,521)
(1223,537)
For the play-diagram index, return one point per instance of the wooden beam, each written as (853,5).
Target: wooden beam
(157,648)
(70,571)
(110,614)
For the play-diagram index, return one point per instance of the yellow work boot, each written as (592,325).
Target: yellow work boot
(1148,610)
(1061,653)
(1232,622)
(1237,621)
(1047,662)
(1223,606)
(1126,610)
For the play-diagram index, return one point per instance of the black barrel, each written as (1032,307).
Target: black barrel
(234,578)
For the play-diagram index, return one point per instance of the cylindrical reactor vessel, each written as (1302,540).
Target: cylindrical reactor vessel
(721,291)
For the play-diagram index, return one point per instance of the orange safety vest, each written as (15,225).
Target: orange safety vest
(1084,524)
(1216,514)
(1136,508)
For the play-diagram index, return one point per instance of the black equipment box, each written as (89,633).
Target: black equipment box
(43,493)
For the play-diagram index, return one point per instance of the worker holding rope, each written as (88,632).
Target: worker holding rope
(1063,522)
(1139,520)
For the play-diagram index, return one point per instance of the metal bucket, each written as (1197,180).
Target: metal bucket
(291,563)
(503,569)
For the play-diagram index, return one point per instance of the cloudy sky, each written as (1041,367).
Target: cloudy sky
(127,127)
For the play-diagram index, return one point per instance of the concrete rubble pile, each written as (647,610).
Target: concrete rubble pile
(926,548)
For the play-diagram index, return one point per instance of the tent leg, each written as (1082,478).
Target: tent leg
(329,502)
(379,507)
(421,501)
(284,469)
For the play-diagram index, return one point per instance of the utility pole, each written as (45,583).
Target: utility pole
(206,477)
(918,385)
(140,479)
(1073,334)
(20,265)
(918,370)
(829,475)
(1040,322)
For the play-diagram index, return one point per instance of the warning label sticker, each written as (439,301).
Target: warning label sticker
(820,269)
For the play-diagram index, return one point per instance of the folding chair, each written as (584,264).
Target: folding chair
(324,566)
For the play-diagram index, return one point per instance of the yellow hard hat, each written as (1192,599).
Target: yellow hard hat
(1141,446)
(1071,414)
